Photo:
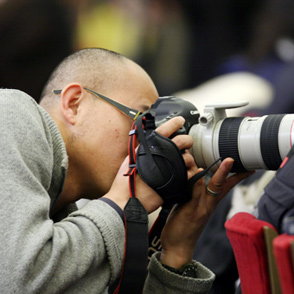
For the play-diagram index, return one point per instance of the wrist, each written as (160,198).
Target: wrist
(187,270)
(174,259)
(121,202)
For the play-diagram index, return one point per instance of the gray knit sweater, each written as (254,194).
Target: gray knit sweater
(81,253)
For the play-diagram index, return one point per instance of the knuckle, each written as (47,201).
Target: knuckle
(178,140)
(217,186)
(183,141)
(190,161)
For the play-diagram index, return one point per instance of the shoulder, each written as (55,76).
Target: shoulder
(29,137)
(22,122)
(13,94)
(15,105)
(16,99)
(19,110)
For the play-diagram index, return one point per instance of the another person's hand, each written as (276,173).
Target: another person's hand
(187,221)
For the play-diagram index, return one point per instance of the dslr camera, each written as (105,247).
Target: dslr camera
(253,142)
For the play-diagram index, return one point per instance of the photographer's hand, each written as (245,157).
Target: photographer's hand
(187,221)
(119,191)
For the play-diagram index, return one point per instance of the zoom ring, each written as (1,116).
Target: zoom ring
(269,144)
(228,142)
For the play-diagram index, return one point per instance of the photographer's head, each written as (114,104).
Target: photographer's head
(95,132)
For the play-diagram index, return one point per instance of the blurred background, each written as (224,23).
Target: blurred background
(202,50)
(180,43)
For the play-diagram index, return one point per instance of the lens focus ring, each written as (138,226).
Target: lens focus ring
(269,143)
(228,142)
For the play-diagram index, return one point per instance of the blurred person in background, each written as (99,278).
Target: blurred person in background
(181,43)
(269,54)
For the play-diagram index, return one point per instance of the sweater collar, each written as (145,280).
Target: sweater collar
(60,158)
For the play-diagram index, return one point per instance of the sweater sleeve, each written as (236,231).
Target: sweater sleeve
(161,280)
(80,254)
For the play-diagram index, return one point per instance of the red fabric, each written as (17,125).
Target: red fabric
(246,235)
(282,253)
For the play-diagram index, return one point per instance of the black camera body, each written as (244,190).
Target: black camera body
(168,107)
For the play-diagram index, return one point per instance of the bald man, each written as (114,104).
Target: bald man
(75,146)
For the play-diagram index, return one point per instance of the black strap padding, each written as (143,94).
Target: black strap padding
(161,165)
(136,252)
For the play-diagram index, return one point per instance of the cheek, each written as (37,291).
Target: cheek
(115,139)
(121,142)
(117,134)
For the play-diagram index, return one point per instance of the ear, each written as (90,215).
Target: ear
(71,97)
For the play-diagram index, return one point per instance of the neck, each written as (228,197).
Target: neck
(69,195)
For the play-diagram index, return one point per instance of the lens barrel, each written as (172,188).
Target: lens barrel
(254,143)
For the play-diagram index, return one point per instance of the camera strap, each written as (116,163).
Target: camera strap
(134,268)
(160,164)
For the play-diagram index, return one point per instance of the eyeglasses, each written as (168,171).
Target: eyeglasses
(129,112)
